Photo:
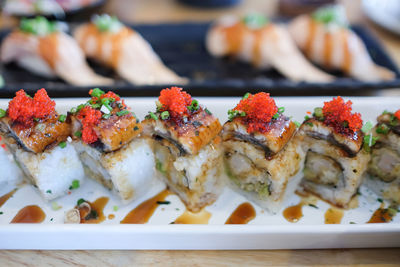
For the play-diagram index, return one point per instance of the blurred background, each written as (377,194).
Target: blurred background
(380,18)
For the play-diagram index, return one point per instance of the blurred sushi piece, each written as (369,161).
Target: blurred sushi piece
(108,41)
(384,168)
(107,138)
(187,146)
(263,156)
(37,136)
(10,173)
(335,160)
(256,40)
(42,48)
(326,38)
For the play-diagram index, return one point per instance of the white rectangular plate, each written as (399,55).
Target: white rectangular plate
(264,232)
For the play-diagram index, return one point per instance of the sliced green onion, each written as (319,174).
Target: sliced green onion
(194,106)
(96,92)
(281,109)
(153,116)
(123,112)
(55,206)
(318,113)
(382,129)
(106,116)
(38,26)
(333,14)
(80,201)
(367,127)
(255,21)
(164,115)
(208,112)
(246,96)
(107,23)
(78,134)
(75,184)
(2,113)
(62,118)
(62,144)
(369,141)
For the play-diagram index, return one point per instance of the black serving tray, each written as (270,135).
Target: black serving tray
(181,47)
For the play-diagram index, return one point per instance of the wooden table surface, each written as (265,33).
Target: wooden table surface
(156,11)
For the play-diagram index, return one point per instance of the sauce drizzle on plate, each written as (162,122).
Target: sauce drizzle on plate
(29,214)
(143,212)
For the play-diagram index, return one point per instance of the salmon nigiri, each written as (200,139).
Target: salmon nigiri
(265,44)
(326,39)
(39,46)
(108,41)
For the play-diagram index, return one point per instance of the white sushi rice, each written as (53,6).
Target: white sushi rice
(52,171)
(129,171)
(10,174)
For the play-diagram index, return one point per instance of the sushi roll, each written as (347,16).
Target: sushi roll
(42,48)
(10,173)
(256,40)
(107,138)
(187,147)
(335,160)
(37,136)
(262,154)
(384,168)
(108,41)
(326,38)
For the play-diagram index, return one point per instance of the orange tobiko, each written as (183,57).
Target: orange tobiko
(338,114)
(175,101)
(259,109)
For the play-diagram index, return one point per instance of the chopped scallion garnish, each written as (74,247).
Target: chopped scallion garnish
(75,184)
(62,118)
(62,144)
(367,127)
(123,112)
(164,115)
(96,92)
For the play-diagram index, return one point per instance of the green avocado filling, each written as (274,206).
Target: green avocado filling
(160,167)
(262,189)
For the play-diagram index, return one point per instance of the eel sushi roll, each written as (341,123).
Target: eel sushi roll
(335,160)
(10,173)
(107,137)
(187,147)
(263,157)
(384,168)
(37,136)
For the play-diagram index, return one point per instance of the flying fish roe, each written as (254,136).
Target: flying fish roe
(338,114)
(110,94)
(22,108)
(43,104)
(397,114)
(175,101)
(89,117)
(259,109)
